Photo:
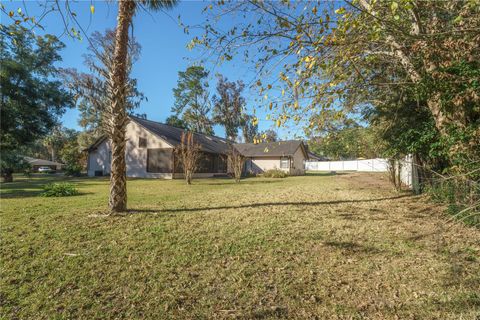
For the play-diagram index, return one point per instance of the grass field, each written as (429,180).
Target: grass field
(313,247)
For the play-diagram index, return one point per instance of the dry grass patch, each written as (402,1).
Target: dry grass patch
(335,247)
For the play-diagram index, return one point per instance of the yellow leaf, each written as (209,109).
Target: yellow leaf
(92,9)
(283,92)
(279,123)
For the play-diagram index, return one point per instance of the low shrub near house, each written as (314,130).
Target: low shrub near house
(275,173)
(59,189)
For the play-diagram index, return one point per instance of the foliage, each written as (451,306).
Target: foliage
(59,189)
(275,173)
(461,195)
(236,161)
(11,162)
(176,122)
(269,135)
(249,129)
(32,97)
(73,158)
(229,106)
(188,154)
(350,142)
(345,58)
(90,89)
(192,101)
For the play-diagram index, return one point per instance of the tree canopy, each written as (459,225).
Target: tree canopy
(361,57)
(32,97)
(192,102)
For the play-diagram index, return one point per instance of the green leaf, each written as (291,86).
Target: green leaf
(394,6)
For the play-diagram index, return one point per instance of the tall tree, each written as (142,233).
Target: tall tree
(334,56)
(269,135)
(175,121)
(249,129)
(229,106)
(32,97)
(116,111)
(192,102)
(90,89)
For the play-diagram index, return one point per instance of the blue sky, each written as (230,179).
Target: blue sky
(164,53)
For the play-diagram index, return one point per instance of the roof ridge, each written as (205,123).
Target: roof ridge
(167,125)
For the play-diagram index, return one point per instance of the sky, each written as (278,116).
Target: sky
(164,53)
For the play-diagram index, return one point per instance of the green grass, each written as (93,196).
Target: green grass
(326,246)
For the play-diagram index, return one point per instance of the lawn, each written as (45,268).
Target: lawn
(312,247)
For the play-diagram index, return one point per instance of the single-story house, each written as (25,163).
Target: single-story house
(288,156)
(37,163)
(150,153)
(315,157)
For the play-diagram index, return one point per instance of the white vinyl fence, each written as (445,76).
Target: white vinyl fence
(408,172)
(367,165)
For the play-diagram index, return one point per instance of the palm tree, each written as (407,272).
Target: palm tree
(116,113)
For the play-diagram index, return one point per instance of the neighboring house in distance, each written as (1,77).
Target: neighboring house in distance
(37,163)
(150,152)
(314,157)
(288,156)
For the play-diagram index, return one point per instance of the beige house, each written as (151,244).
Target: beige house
(150,153)
(288,156)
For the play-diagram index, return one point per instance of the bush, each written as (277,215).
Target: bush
(62,189)
(275,173)
(73,170)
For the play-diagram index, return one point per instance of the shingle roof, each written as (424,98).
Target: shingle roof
(269,149)
(173,136)
(41,162)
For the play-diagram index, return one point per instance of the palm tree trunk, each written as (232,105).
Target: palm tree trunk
(117,119)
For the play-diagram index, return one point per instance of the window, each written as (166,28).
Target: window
(284,163)
(142,142)
(159,160)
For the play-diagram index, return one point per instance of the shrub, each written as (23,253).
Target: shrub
(59,189)
(275,173)
(73,170)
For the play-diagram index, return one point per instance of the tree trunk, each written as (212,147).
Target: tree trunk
(7,177)
(117,119)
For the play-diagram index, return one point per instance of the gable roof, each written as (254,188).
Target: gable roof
(270,149)
(173,136)
(41,162)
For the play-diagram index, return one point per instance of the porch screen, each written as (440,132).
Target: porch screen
(159,160)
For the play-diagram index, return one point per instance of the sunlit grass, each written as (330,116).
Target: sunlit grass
(322,245)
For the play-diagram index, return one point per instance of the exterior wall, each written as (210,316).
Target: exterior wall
(297,165)
(99,159)
(136,157)
(261,164)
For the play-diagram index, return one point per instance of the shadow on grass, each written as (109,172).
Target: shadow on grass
(352,247)
(249,181)
(36,193)
(326,173)
(265,204)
